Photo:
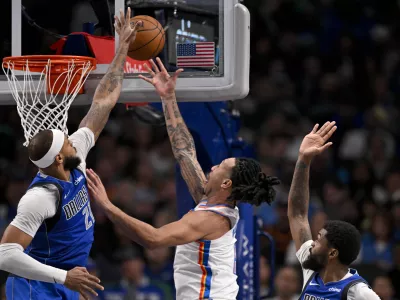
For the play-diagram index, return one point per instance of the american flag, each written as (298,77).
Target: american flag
(200,54)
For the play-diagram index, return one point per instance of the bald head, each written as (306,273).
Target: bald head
(40,144)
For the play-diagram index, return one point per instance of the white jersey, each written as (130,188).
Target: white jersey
(207,269)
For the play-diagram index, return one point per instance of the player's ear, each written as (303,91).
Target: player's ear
(226,183)
(333,253)
(59,159)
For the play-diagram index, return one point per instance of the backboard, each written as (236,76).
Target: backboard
(50,27)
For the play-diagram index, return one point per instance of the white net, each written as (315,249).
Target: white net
(43,102)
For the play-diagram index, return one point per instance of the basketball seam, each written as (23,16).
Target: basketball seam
(163,38)
(148,41)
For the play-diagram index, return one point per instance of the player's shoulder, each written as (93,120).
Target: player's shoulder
(361,291)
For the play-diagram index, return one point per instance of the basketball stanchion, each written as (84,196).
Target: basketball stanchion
(271,260)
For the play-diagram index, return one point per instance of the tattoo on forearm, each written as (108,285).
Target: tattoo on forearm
(299,191)
(177,113)
(114,76)
(181,140)
(103,101)
(184,150)
(166,112)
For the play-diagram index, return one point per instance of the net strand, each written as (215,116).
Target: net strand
(38,109)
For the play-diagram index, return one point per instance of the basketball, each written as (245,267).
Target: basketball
(150,39)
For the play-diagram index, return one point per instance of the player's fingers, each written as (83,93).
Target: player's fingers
(94,285)
(121,17)
(314,130)
(324,147)
(89,289)
(93,278)
(146,79)
(149,70)
(323,127)
(177,72)
(128,15)
(83,294)
(328,135)
(161,65)
(154,66)
(136,26)
(328,128)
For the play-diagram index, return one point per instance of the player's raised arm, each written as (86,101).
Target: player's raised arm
(313,144)
(181,140)
(109,88)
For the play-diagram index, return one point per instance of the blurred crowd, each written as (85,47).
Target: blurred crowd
(311,61)
(330,60)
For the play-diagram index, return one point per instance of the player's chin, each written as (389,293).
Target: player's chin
(71,162)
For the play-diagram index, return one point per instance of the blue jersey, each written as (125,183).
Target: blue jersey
(63,241)
(315,289)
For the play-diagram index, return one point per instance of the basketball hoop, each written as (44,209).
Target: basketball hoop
(43,100)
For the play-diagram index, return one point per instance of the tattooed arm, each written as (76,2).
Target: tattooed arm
(109,88)
(313,144)
(299,196)
(183,148)
(181,140)
(106,95)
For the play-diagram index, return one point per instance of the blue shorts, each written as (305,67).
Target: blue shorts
(18,288)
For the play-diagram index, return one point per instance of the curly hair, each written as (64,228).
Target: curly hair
(345,238)
(250,184)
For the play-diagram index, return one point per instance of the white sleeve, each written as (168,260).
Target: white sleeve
(15,261)
(361,291)
(37,205)
(302,255)
(83,140)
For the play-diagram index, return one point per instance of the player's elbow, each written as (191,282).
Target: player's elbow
(154,241)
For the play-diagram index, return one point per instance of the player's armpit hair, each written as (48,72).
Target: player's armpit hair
(250,184)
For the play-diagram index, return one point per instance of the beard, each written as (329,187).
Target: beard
(71,162)
(315,262)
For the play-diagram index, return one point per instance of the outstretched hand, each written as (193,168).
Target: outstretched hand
(125,27)
(97,190)
(315,142)
(160,79)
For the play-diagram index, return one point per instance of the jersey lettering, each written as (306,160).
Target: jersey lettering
(75,205)
(311,297)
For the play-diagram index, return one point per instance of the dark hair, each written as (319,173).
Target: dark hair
(345,238)
(40,144)
(250,184)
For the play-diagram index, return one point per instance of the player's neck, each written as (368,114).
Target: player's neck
(333,273)
(216,198)
(58,174)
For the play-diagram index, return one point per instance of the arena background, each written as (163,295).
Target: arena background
(311,61)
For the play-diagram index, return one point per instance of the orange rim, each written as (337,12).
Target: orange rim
(37,63)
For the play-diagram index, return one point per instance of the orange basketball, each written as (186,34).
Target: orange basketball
(150,39)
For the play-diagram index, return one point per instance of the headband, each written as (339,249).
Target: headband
(56,146)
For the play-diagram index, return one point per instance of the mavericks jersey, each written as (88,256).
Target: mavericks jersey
(64,241)
(315,289)
(207,269)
